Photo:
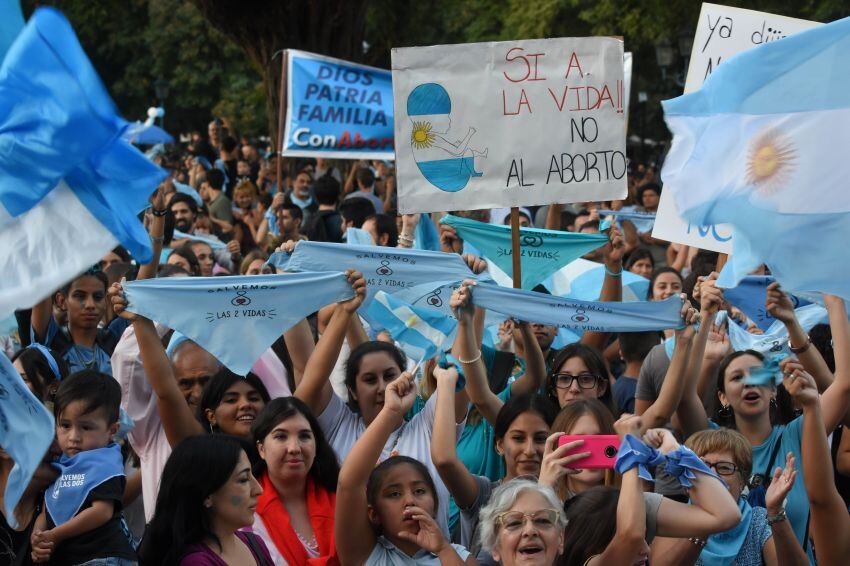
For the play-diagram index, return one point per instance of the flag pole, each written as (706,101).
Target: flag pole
(515,251)
(281,115)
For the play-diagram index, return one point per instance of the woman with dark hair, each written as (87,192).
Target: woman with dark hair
(664,283)
(370,368)
(230,403)
(579,372)
(185,258)
(298,472)
(206,495)
(640,262)
(763,413)
(41,369)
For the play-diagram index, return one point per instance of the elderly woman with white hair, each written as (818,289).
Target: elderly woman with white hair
(523,524)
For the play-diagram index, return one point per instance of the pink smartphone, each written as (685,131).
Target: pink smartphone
(603,450)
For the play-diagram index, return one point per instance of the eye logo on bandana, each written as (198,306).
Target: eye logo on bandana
(241,299)
(580,316)
(777,347)
(385,268)
(531,240)
(434,298)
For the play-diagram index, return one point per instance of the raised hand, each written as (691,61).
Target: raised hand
(798,382)
(629,424)
(449,240)
(718,344)
(616,246)
(476,264)
(661,439)
(119,302)
(691,316)
(780,485)
(358,283)
(400,395)
(778,304)
(461,301)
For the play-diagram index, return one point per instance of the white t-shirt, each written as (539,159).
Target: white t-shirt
(139,402)
(343,427)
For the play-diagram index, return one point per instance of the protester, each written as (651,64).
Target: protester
(640,262)
(298,472)
(523,524)
(199,516)
(326,224)
(365,180)
(386,514)
(301,194)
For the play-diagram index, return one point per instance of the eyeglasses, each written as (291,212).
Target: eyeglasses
(585,380)
(544,520)
(722,468)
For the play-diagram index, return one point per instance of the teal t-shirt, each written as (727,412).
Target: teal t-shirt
(790,437)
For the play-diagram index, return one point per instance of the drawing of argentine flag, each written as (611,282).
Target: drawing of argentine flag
(420,331)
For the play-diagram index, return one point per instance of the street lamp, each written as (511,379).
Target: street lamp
(160,87)
(664,56)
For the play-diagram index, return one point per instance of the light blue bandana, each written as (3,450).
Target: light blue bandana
(235,319)
(543,251)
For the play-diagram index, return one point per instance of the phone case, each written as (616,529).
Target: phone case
(603,450)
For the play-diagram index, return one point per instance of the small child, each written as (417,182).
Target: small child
(82,520)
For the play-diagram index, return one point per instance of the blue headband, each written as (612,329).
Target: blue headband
(51,361)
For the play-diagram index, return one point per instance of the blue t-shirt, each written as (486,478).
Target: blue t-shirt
(82,357)
(624,393)
(790,438)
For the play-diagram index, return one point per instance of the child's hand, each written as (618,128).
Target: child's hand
(400,394)
(42,546)
(429,537)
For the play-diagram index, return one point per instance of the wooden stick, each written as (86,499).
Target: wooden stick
(515,251)
(281,116)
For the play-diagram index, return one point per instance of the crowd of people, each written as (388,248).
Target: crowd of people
(337,449)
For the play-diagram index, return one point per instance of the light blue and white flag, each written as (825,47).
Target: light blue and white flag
(643,221)
(188,190)
(212,241)
(775,339)
(543,252)
(386,269)
(761,146)
(420,331)
(582,279)
(26,433)
(579,315)
(750,295)
(70,187)
(235,319)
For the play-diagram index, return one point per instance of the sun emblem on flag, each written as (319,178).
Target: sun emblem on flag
(771,161)
(422,136)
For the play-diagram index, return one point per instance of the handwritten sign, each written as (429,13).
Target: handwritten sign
(517,123)
(722,32)
(337,109)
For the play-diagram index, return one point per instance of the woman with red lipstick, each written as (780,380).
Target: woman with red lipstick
(298,471)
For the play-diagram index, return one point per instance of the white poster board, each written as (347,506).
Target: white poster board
(627,83)
(721,32)
(515,123)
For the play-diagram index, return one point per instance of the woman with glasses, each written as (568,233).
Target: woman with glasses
(523,524)
(755,540)
(580,372)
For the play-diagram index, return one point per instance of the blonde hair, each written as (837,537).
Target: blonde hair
(245,187)
(721,440)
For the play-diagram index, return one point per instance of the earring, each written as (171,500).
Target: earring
(773,402)
(207,503)
(725,411)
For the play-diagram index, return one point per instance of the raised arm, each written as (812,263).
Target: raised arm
(780,307)
(467,350)
(830,523)
(673,387)
(836,399)
(157,233)
(353,532)
(315,388)
(460,482)
(535,364)
(300,344)
(711,510)
(783,548)
(178,422)
(629,539)
(612,285)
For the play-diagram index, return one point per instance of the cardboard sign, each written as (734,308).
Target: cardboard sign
(337,109)
(516,123)
(721,32)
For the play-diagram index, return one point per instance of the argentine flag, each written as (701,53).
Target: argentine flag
(420,331)
(763,146)
(70,187)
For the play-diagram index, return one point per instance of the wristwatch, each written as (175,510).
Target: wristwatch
(778,518)
(802,348)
